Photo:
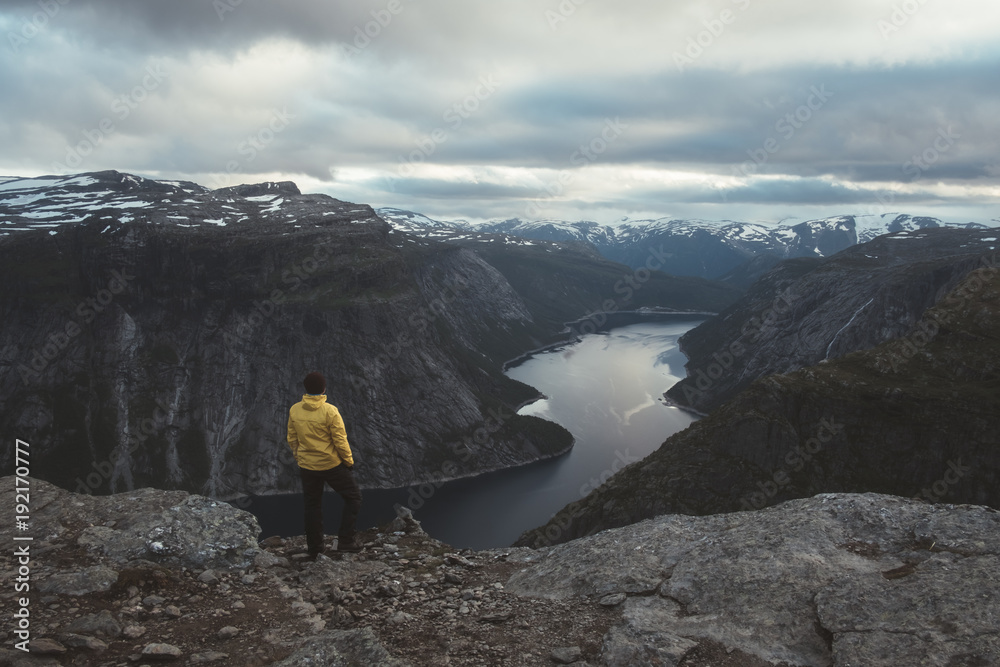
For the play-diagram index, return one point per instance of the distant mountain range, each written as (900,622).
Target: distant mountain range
(706,249)
(734,252)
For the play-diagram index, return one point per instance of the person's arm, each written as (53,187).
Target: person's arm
(338,434)
(292,437)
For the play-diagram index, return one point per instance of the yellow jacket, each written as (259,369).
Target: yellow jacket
(316,434)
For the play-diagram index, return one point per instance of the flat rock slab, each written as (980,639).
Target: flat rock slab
(79,582)
(837,579)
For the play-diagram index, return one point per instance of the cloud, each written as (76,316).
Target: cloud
(484,106)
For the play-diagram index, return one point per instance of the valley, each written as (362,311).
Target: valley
(648,435)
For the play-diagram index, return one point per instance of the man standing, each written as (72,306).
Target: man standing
(318,440)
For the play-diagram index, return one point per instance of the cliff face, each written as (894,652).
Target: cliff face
(156,333)
(810,310)
(916,416)
(149,353)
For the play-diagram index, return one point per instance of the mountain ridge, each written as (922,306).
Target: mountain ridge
(707,249)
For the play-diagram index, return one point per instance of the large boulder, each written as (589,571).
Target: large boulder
(170,527)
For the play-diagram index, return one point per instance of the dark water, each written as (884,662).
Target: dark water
(605,389)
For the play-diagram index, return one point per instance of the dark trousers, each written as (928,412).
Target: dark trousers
(340,480)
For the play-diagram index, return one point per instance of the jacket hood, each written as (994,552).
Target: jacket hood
(313,402)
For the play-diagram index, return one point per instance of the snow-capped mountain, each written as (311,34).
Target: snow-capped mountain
(50,202)
(408,221)
(700,248)
(870,226)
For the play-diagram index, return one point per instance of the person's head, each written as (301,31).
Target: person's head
(314,383)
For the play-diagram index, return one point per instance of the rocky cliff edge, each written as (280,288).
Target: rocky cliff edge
(837,579)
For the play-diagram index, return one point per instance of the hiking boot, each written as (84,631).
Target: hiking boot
(348,545)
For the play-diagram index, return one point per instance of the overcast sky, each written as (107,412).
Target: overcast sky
(573,109)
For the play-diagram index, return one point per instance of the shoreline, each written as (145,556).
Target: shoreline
(629,316)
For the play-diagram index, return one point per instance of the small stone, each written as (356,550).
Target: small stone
(457,559)
(265,559)
(134,631)
(316,624)
(161,652)
(341,616)
(391,589)
(248,579)
(452,578)
(303,608)
(208,577)
(566,655)
(400,617)
(102,623)
(153,600)
(289,593)
(228,632)
(273,542)
(496,617)
(239,605)
(173,611)
(45,646)
(207,656)
(612,600)
(83,641)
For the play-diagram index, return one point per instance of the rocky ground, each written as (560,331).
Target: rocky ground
(846,580)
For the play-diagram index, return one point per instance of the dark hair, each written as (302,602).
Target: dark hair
(314,383)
